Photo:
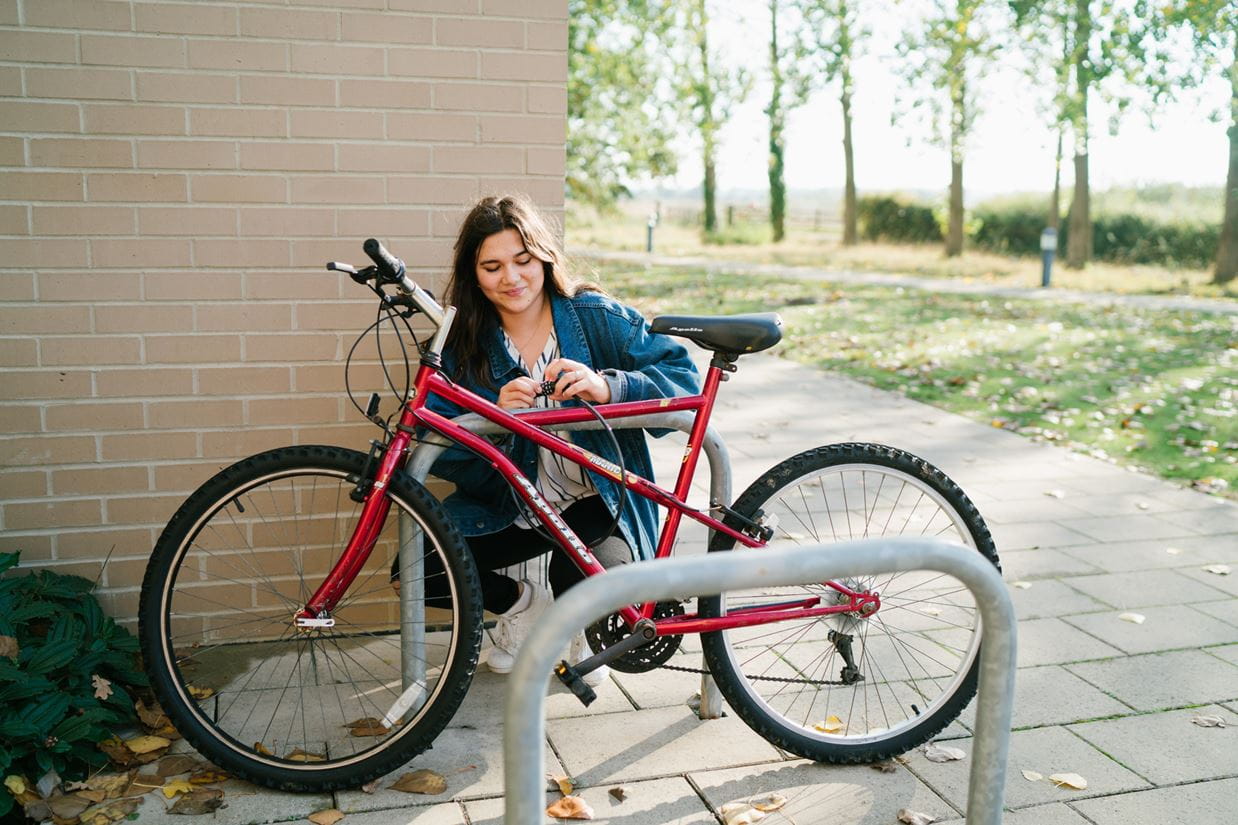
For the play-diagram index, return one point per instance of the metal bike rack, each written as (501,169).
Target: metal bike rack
(524,725)
(423,457)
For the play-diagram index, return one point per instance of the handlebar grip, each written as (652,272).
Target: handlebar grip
(390,267)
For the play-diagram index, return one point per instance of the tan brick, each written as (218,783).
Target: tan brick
(137,187)
(336,59)
(192,349)
(431,190)
(184,18)
(191,87)
(40,186)
(90,286)
(545,192)
(79,83)
(391,157)
(552,9)
(184,477)
(338,189)
(244,317)
(43,320)
(78,14)
(336,316)
(332,123)
(8,13)
(187,154)
(22,252)
(306,286)
(12,151)
(198,285)
(198,220)
(550,100)
(351,4)
(524,66)
(523,129)
(20,419)
(179,415)
(19,352)
(451,6)
(142,510)
(479,97)
(239,188)
(298,410)
(290,24)
(32,548)
(350,435)
(45,514)
(231,252)
(83,220)
(86,417)
(41,117)
(17,286)
(432,62)
(126,572)
(92,350)
(243,443)
(283,348)
(10,80)
(25,46)
(546,36)
(143,382)
(142,318)
(287,91)
(148,446)
(234,55)
(330,378)
(80,544)
(263,122)
(385,94)
(232,381)
(479,160)
(550,161)
(435,127)
(27,484)
(387,28)
(316,252)
(445,223)
(14,220)
(160,253)
(92,152)
(119,119)
(288,222)
(376,222)
(139,51)
(297,157)
(94,480)
(503,34)
(45,450)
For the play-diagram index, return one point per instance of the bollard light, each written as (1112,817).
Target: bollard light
(653,221)
(1048,248)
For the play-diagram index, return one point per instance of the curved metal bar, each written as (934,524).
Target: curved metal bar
(524,740)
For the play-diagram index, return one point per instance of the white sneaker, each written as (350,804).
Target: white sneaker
(580,651)
(513,628)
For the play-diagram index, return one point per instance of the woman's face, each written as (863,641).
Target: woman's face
(509,275)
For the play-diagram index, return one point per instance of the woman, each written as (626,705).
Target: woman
(521,320)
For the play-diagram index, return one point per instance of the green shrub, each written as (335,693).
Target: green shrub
(885,218)
(1010,231)
(740,234)
(64,668)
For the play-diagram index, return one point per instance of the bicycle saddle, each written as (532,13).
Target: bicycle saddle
(734,334)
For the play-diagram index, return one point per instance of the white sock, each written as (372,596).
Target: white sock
(522,601)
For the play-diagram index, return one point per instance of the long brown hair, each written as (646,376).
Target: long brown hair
(476,318)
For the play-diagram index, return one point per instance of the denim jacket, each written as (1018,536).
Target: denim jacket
(613,340)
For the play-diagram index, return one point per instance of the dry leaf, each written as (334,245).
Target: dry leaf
(910,817)
(198,802)
(298,755)
(68,806)
(118,752)
(109,812)
(771,802)
(740,813)
(929,610)
(1055,494)
(369,726)
(143,783)
(832,724)
(1020,585)
(619,792)
(570,807)
(262,749)
(1218,569)
(16,784)
(1068,780)
(200,693)
(888,766)
(934,752)
(370,787)
(1133,618)
(1033,776)
(145,744)
(8,647)
(172,765)
(1173,551)
(1208,721)
(422,781)
(563,783)
(103,688)
(152,717)
(329,816)
(208,776)
(177,786)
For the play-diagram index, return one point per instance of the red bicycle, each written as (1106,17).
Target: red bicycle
(276,645)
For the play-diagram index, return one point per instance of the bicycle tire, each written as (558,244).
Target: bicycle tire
(289,708)
(920,648)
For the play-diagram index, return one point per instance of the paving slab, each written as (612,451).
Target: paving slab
(1226,611)
(1052,642)
(245,804)
(1227,652)
(1056,813)
(1164,628)
(1052,695)
(451,813)
(824,794)
(1220,518)
(1047,598)
(652,743)
(1109,503)
(1046,562)
(1156,681)
(483,704)
(1166,748)
(1194,804)
(662,688)
(1121,528)
(671,801)
(1044,750)
(1147,588)
(1025,510)
(1117,557)
(1227,582)
(1031,535)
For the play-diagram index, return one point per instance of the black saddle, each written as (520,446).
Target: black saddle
(728,334)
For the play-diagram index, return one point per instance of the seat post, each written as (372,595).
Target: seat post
(724,361)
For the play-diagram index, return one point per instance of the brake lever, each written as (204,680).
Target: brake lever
(361,276)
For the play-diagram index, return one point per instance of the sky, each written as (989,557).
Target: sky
(1011,148)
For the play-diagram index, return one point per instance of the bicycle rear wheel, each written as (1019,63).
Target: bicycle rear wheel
(916,656)
(289,707)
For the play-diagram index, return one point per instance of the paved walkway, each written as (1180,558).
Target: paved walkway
(1109,700)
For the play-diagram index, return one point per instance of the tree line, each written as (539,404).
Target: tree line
(643,73)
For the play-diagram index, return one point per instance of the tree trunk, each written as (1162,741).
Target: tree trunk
(777,184)
(1227,250)
(1079,243)
(708,126)
(851,234)
(1055,201)
(711,210)
(954,232)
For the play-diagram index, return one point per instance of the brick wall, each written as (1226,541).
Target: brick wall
(174,176)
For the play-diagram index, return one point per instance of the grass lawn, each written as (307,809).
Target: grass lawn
(1152,388)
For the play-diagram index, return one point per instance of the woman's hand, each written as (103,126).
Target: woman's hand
(574,380)
(518,393)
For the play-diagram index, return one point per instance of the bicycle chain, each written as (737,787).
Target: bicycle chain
(759,678)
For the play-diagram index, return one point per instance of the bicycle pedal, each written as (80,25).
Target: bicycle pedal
(569,676)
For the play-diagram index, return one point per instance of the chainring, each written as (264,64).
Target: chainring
(610,630)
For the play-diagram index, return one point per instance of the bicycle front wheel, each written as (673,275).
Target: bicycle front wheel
(847,687)
(306,708)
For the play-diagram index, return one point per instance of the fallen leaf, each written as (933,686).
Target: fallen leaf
(111,785)
(16,784)
(172,765)
(68,806)
(262,749)
(103,688)
(328,816)
(200,692)
(370,787)
(1208,721)
(1133,618)
(1218,569)
(832,724)
(1068,780)
(1173,551)
(422,781)
(109,812)
(930,610)
(152,717)
(118,752)
(619,792)
(771,802)
(145,744)
(369,726)
(564,783)
(570,807)
(8,647)
(177,786)
(208,776)
(198,802)
(934,752)
(143,783)
(888,766)
(1033,776)
(1021,585)
(910,817)
(298,755)
(1055,494)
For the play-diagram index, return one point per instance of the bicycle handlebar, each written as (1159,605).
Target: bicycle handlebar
(390,268)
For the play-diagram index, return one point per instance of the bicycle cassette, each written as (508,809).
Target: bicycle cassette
(606,632)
